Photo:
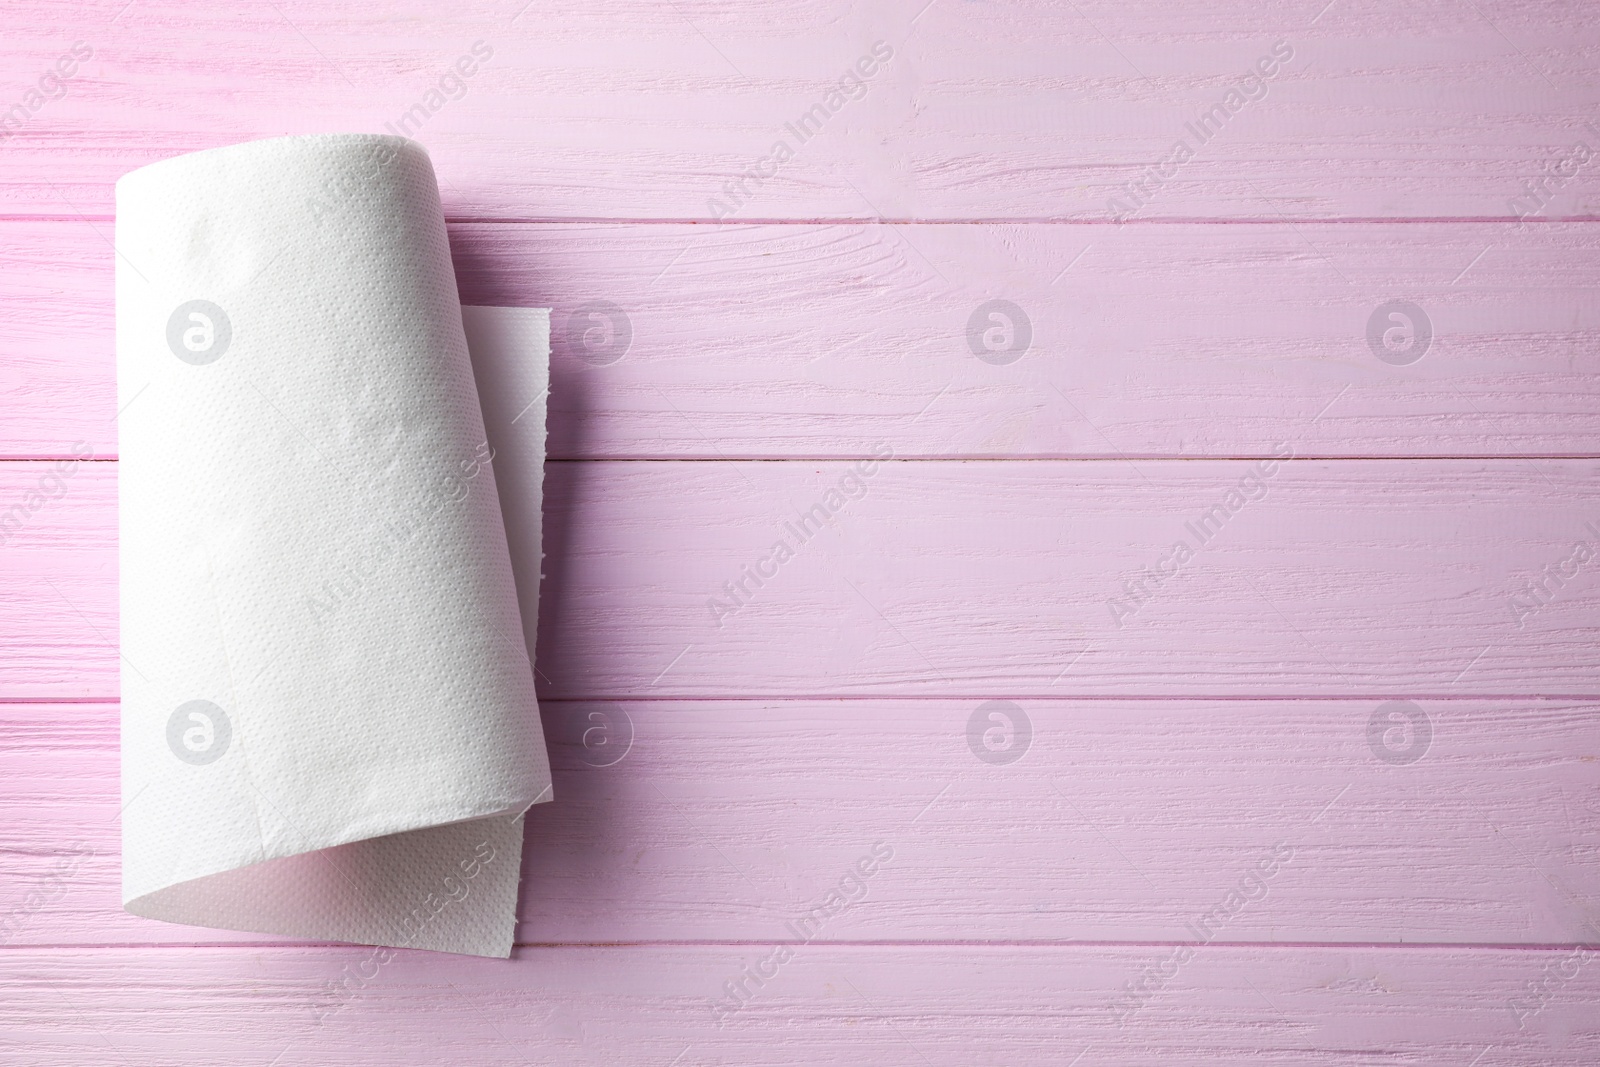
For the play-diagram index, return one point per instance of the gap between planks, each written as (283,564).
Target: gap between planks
(910,943)
(912,220)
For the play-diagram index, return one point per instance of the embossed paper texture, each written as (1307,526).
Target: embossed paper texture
(329,727)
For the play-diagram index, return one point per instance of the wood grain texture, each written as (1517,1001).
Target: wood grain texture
(617,109)
(1378,578)
(1118,821)
(1032,911)
(994,1005)
(817,341)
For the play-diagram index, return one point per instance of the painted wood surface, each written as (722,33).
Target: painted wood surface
(618,109)
(1089,821)
(818,341)
(1091,901)
(980,579)
(913,1005)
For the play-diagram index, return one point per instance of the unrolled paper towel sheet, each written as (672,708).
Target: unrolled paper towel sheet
(329,727)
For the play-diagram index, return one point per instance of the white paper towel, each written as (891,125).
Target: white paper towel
(329,727)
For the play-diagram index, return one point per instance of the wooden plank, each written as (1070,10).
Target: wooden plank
(57,376)
(1095,821)
(58,527)
(1378,579)
(816,341)
(1304,1007)
(610,109)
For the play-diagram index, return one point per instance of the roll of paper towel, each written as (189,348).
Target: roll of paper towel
(329,727)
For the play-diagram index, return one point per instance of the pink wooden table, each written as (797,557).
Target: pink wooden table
(1029,296)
